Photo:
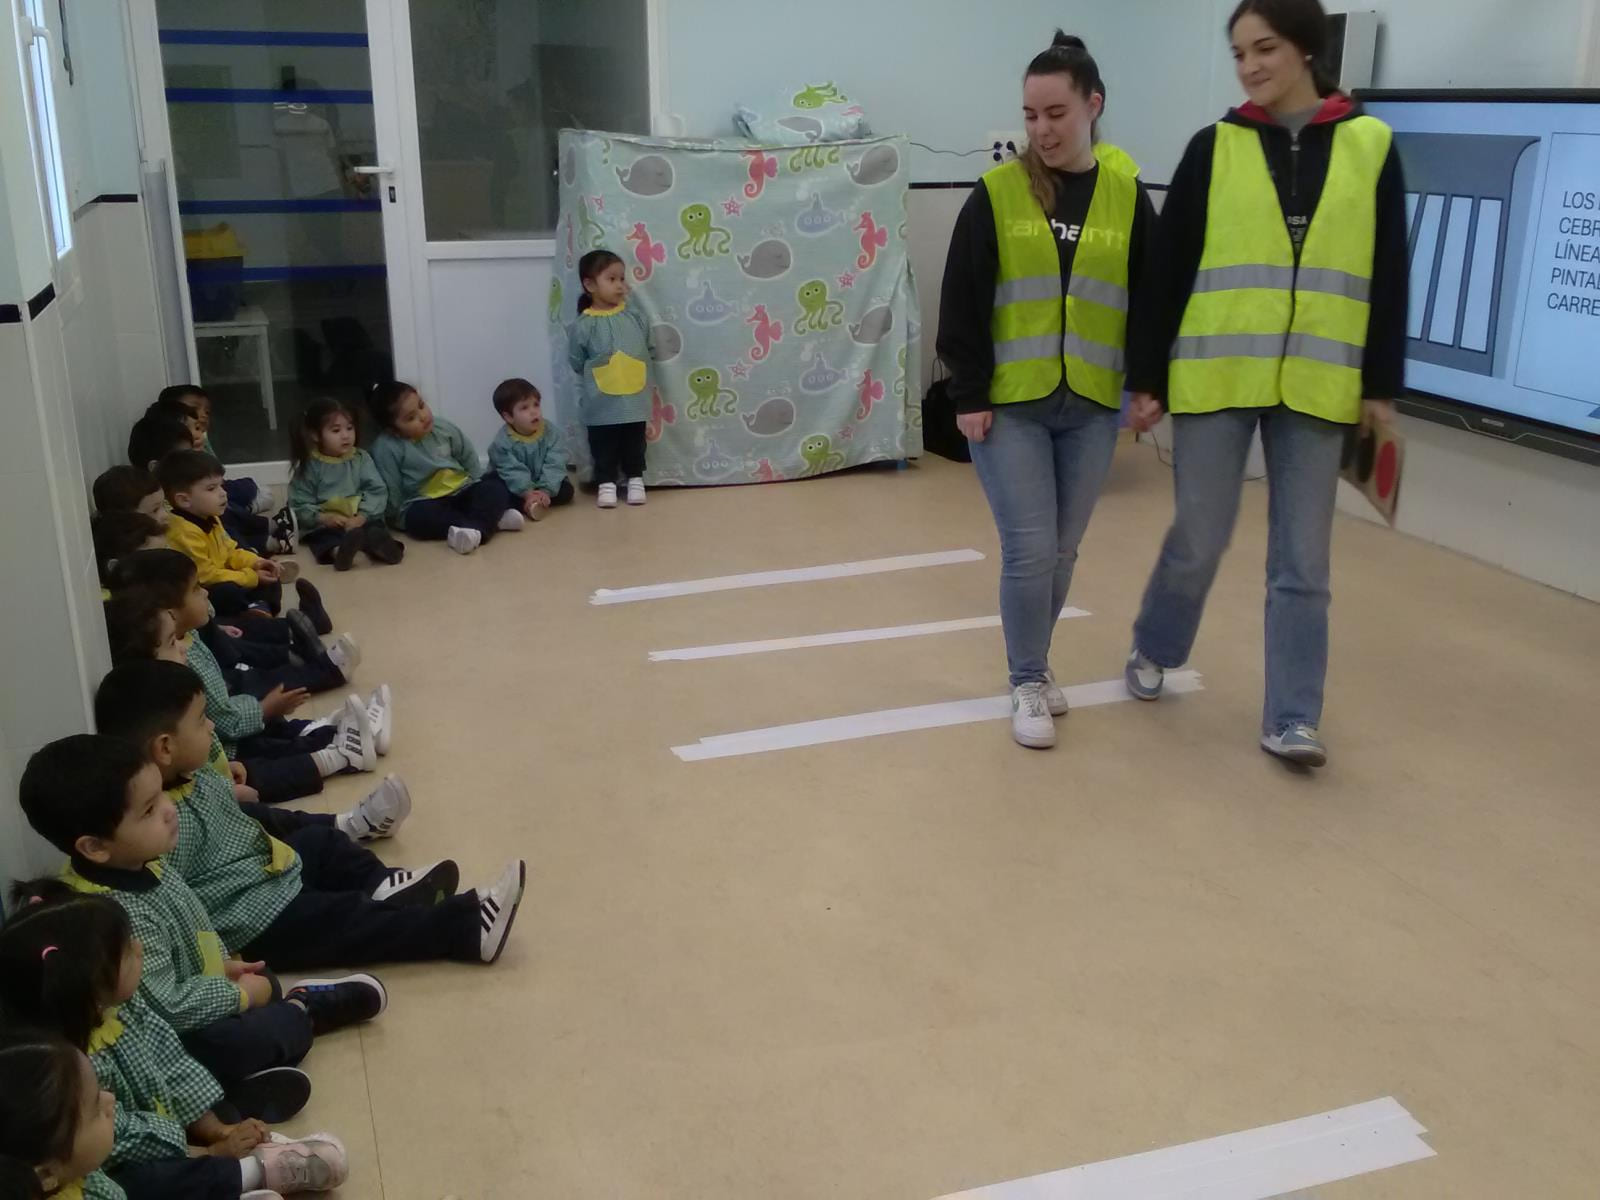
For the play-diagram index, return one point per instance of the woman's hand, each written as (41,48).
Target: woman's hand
(1144,412)
(1376,412)
(974,426)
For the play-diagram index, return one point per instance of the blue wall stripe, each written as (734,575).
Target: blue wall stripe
(269,274)
(259,37)
(264,96)
(199,207)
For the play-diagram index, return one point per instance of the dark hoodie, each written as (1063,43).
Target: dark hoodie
(1299,167)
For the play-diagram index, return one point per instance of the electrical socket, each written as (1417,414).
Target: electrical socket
(1005,144)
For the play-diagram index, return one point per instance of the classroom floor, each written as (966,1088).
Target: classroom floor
(899,967)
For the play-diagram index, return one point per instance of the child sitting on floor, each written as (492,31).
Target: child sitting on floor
(527,453)
(69,963)
(320,900)
(248,503)
(56,1125)
(97,800)
(337,496)
(239,579)
(126,488)
(432,473)
(284,759)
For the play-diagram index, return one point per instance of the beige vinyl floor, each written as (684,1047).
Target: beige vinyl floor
(894,968)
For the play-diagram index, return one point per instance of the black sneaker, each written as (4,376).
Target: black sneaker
(274,1095)
(383,546)
(419,889)
(285,529)
(311,605)
(335,1003)
(345,556)
(304,636)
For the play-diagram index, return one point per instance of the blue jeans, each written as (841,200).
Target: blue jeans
(1209,452)
(1042,467)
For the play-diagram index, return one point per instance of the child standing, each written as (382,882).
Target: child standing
(432,473)
(335,492)
(527,452)
(610,347)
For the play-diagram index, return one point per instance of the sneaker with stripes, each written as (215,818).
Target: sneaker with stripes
(422,888)
(382,812)
(336,1003)
(497,908)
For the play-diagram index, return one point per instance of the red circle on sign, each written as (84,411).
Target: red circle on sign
(1387,461)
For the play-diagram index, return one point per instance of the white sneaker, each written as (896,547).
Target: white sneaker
(423,888)
(536,513)
(512,520)
(1054,698)
(288,569)
(380,711)
(346,654)
(1301,744)
(636,491)
(380,814)
(318,1163)
(355,739)
(261,1196)
(463,540)
(606,497)
(497,908)
(1031,723)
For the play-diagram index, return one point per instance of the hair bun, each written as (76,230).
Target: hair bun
(1070,41)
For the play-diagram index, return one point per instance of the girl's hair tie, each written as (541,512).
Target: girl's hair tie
(48,951)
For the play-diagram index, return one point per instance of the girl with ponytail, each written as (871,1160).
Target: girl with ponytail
(1043,280)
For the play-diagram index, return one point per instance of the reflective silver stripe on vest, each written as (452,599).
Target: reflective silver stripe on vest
(1045,345)
(1325,350)
(1093,353)
(1269,345)
(1098,291)
(1029,287)
(1326,280)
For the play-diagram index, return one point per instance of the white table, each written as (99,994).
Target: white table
(249,322)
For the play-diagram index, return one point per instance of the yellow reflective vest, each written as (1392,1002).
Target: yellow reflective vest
(1259,328)
(1038,333)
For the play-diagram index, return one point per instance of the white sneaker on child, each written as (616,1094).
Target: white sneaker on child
(380,814)
(497,908)
(355,739)
(511,521)
(318,1163)
(380,710)
(607,496)
(636,491)
(345,654)
(462,539)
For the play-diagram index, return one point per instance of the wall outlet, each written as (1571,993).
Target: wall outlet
(1005,144)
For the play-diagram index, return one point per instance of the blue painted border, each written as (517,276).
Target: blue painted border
(265,96)
(202,207)
(271,274)
(259,37)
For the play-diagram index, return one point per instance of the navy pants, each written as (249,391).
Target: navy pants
(477,506)
(209,1178)
(258,1039)
(277,761)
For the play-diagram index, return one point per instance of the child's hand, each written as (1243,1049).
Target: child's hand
(355,522)
(237,773)
(332,520)
(258,988)
(240,1139)
(542,499)
(280,703)
(267,569)
(244,794)
(236,968)
(232,631)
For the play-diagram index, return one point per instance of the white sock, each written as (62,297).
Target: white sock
(330,760)
(250,1174)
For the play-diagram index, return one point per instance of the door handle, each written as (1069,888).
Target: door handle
(380,169)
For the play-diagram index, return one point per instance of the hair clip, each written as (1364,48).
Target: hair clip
(47,952)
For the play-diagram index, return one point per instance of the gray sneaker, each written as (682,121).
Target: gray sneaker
(1143,677)
(1299,744)
(1031,723)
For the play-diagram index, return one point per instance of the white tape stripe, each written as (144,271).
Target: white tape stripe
(1251,1165)
(728,583)
(843,638)
(903,720)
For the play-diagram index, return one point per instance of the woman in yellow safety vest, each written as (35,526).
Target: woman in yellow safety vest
(1046,256)
(1279,304)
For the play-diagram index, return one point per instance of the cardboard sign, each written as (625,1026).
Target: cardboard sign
(1373,462)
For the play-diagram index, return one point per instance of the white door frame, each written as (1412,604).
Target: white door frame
(400,90)
(155,147)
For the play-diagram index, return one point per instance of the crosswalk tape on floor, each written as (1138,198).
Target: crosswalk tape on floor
(845,637)
(728,583)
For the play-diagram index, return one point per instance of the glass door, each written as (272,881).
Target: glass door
(288,203)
